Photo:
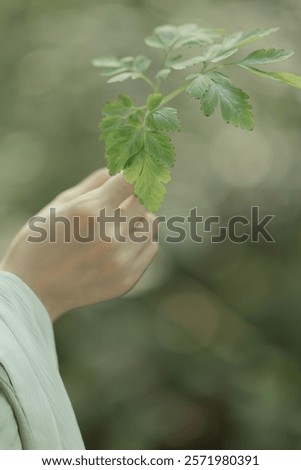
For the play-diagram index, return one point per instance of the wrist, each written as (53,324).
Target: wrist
(53,309)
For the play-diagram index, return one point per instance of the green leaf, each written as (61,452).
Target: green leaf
(162,75)
(241,38)
(178,63)
(127,141)
(218,52)
(173,60)
(191,42)
(159,146)
(107,62)
(284,77)
(109,124)
(191,35)
(181,65)
(133,167)
(153,101)
(112,108)
(214,88)
(149,177)
(111,66)
(137,139)
(186,30)
(199,86)
(119,114)
(136,117)
(141,64)
(164,119)
(265,56)
(163,37)
(234,103)
(170,37)
(125,101)
(124,76)
(209,101)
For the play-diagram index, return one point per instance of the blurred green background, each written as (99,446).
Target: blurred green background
(206,351)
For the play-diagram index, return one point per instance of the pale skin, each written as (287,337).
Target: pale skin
(70,275)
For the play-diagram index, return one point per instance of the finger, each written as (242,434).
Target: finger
(141,226)
(139,240)
(139,257)
(144,258)
(131,207)
(93,181)
(114,191)
(154,226)
(132,211)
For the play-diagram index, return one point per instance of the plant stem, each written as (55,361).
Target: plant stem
(147,80)
(205,65)
(174,94)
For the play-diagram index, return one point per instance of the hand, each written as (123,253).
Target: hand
(69,275)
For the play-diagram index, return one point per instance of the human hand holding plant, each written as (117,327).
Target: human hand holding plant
(137,137)
(68,275)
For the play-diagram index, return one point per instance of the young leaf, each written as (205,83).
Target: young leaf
(136,117)
(198,86)
(241,39)
(107,62)
(234,102)
(209,100)
(154,101)
(162,75)
(112,108)
(188,29)
(163,37)
(189,35)
(111,66)
(141,64)
(218,52)
(183,64)
(192,41)
(159,146)
(125,101)
(133,167)
(173,60)
(223,55)
(109,124)
(265,56)
(149,177)
(235,105)
(124,76)
(128,140)
(164,119)
(284,77)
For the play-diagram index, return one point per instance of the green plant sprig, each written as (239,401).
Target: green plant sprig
(137,138)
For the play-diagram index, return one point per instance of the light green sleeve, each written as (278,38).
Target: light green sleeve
(9,432)
(15,430)
(34,403)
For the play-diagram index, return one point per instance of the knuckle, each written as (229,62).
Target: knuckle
(102,172)
(82,211)
(65,196)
